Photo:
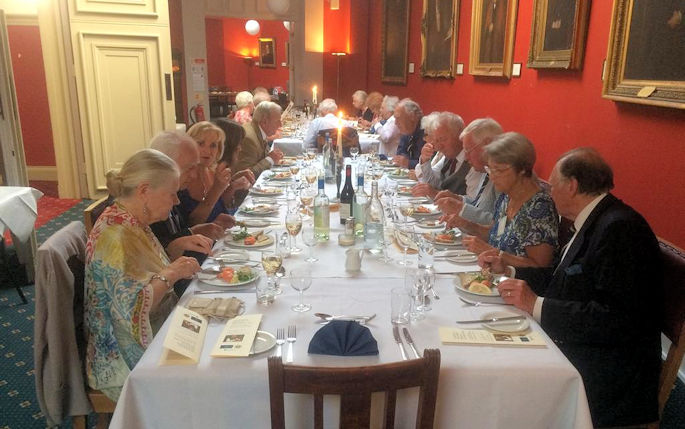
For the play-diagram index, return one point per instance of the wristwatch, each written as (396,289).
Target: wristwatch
(162,278)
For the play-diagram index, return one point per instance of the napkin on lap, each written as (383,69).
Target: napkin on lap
(343,338)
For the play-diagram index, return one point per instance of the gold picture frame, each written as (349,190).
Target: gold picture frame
(267,53)
(493,29)
(559,30)
(439,32)
(641,66)
(395,41)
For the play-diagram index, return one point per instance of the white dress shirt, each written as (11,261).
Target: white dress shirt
(321,123)
(578,224)
(389,137)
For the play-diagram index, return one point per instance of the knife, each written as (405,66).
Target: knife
(398,340)
(493,319)
(411,342)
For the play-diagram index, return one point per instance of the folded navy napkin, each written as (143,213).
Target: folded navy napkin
(343,338)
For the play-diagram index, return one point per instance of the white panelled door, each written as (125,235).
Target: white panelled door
(122,68)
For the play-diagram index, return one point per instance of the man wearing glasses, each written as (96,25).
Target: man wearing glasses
(453,173)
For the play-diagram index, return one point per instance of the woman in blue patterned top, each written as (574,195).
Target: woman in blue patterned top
(526,223)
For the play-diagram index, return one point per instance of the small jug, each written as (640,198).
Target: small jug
(353,261)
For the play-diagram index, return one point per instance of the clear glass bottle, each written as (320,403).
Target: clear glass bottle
(322,216)
(326,154)
(359,207)
(375,221)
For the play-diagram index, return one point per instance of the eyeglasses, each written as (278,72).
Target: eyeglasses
(496,171)
(468,151)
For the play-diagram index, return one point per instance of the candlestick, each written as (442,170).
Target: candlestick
(314,95)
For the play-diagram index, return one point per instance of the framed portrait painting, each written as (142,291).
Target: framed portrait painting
(267,53)
(439,31)
(493,28)
(646,55)
(395,41)
(557,39)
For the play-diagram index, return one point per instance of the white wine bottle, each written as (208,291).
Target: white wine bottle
(322,216)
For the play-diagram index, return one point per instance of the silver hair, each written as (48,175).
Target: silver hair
(429,122)
(360,94)
(452,121)
(170,143)
(389,103)
(243,99)
(327,106)
(411,107)
(512,149)
(264,110)
(482,128)
(260,97)
(145,166)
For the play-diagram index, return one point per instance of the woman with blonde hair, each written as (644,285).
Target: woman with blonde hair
(244,103)
(129,278)
(210,197)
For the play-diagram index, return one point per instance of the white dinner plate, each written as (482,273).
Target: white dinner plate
(281,176)
(506,326)
(461,257)
(431,224)
(434,211)
(259,210)
(209,278)
(255,223)
(493,298)
(264,341)
(241,244)
(231,256)
(266,191)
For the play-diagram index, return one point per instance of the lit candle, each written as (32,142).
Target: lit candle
(314,94)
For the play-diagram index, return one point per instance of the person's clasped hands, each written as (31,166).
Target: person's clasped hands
(276,156)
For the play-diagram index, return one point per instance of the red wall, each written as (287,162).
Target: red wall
(32,96)
(559,110)
(346,30)
(227,45)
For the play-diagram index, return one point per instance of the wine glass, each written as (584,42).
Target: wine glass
(271,262)
(309,239)
(307,196)
(406,209)
(301,280)
(415,282)
(354,151)
(405,237)
(293,223)
(311,175)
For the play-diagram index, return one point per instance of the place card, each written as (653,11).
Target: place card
(484,337)
(237,336)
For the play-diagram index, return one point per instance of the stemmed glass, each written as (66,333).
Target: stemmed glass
(301,280)
(354,151)
(293,223)
(407,209)
(307,199)
(271,262)
(405,236)
(417,282)
(309,239)
(311,175)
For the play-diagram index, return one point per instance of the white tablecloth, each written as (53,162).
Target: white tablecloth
(292,146)
(480,386)
(18,210)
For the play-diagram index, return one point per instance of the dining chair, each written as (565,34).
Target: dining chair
(59,338)
(355,385)
(93,212)
(673,317)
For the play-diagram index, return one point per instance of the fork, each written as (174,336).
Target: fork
(292,336)
(280,340)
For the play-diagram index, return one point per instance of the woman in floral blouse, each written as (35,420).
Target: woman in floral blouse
(129,277)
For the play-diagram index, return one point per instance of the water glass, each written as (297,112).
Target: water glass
(309,239)
(426,249)
(265,292)
(415,283)
(400,305)
(301,280)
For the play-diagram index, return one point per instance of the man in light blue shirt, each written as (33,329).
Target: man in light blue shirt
(325,121)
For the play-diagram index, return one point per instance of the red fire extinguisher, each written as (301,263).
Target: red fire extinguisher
(197,113)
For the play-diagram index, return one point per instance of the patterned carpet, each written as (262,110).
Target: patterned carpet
(18,405)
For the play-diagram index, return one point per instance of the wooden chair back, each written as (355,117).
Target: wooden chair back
(93,212)
(349,135)
(355,386)
(673,316)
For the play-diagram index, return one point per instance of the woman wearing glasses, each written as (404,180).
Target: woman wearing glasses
(525,223)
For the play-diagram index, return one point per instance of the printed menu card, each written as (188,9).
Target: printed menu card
(237,337)
(184,340)
(482,336)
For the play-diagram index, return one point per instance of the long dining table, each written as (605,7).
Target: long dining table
(479,386)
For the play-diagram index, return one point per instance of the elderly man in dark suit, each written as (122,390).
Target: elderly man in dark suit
(600,303)
(453,172)
(254,154)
